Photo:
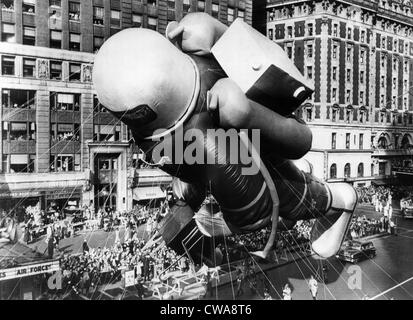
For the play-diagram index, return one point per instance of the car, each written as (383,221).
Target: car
(408,212)
(356,251)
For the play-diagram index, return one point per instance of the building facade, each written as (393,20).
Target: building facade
(58,145)
(359,56)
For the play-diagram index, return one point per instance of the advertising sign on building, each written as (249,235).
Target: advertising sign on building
(29,270)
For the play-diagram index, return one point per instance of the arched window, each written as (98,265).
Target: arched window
(405,142)
(360,170)
(347,171)
(372,170)
(382,143)
(333,171)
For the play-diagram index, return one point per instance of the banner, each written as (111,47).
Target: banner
(29,270)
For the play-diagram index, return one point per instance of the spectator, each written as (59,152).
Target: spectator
(313,285)
(287,292)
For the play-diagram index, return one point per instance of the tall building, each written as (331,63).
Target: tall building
(58,145)
(359,56)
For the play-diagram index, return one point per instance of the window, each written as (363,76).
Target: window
(98,15)
(382,99)
(360,170)
(152,2)
(382,81)
(115,18)
(56,70)
(334,114)
(201,6)
(361,98)
(289,32)
(349,31)
(7,65)
(29,36)
(348,93)
(7,5)
(394,83)
(362,77)
(14,98)
(335,49)
(361,141)
(20,163)
(186,4)
(406,66)
(171,5)
(309,72)
(362,36)
(362,56)
(74,72)
(333,140)
(215,10)
(348,75)
(56,39)
(74,42)
(152,23)
(29,67)
(29,6)
(64,163)
(64,132)
(383,61)
(335,30)
(19,131)
(309,50)
(271,34)
(310,30)
(64,101)
(289,49)
(241,14)
(383,42)
(8,33)
(334,94)
(74,11)
(347,140)
(55,3)
(347,170)
(137,20)
(333,171)
(334,74)
(107,133)
(348,54)
(309,114)
(97,43)
(230,15)
(97,106)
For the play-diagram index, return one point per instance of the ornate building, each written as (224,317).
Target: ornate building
(57,143)
(359,55)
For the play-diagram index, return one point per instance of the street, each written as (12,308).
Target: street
(387,276)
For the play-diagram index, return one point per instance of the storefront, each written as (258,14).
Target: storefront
(23,274)
(148,195)
(19,201)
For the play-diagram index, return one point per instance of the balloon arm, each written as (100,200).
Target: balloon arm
(279,130)
(273,191)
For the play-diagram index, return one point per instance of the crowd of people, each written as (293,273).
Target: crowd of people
(96,266)
(298,235)
(363,227)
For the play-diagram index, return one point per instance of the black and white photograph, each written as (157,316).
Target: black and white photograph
(223,151)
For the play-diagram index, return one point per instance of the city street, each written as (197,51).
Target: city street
(387,276)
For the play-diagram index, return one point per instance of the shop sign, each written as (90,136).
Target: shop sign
(14,195)
(29,270)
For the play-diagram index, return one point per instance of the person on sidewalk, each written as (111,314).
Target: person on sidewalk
(287,292)
(313,285)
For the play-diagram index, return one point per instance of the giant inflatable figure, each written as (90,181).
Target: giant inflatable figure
(204,75)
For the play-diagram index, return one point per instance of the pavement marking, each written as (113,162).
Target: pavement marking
(392,288)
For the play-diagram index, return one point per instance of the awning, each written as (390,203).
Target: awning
(146,193)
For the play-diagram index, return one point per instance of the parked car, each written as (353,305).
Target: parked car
(355,251)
